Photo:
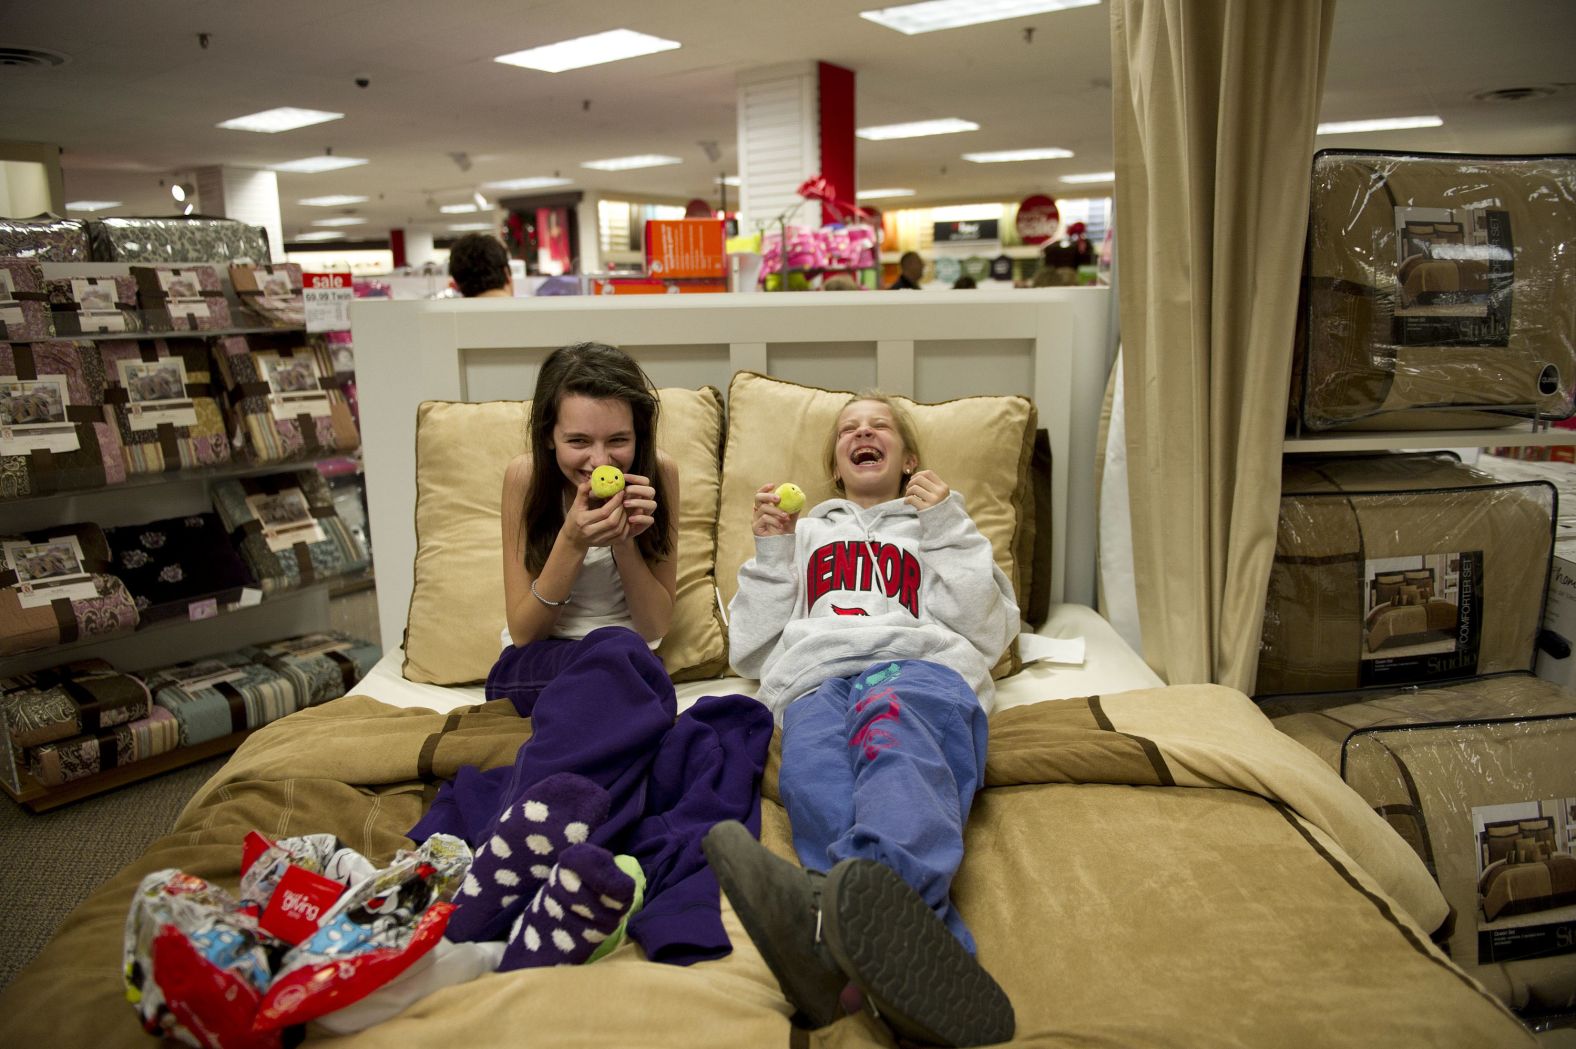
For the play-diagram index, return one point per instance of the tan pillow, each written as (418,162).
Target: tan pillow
(981,446)
(456,603)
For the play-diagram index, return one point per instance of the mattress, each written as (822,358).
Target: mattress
(53,433)
(1479,779)
(1436,283)
(285,401)
(164,404)
(1400,570)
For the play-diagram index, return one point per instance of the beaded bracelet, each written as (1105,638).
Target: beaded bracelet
(550,604)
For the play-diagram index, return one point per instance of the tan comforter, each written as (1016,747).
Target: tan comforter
(1153,868)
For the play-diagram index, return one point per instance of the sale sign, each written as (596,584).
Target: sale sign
(1038,219)
(327,297)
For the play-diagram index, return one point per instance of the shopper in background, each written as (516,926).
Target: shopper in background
(840,282)
(964,281)
(911,268)
(479,267)
(872,622)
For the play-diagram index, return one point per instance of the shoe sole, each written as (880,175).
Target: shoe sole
(922,982)
(796,988)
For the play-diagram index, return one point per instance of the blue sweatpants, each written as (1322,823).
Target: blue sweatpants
(883,766)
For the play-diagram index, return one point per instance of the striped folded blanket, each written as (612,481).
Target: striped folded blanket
(55,436)
(323,666)
(287,529)
(55,763)
(82,697)
(165,408)
(285,400)
(214,697)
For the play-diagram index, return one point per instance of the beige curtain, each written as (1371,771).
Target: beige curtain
(1215,104)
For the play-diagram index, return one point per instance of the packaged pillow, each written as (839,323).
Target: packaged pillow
(53,432)
(44,239)
(56,586)
(285,401)
(81,697)
(188,298)
(180,567)
(93,305)
(162,400)
(55,763)
(271,295)
(177,239)
(287,529)
(323,666)
(24,304)
(214,697)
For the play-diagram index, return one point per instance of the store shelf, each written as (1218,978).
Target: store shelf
(122,336)
(1417,440)
(35,797)
(149,480)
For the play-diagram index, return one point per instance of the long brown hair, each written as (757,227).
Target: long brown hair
(594,370)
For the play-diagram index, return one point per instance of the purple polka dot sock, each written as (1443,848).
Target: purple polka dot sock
(583,901)
(521,846)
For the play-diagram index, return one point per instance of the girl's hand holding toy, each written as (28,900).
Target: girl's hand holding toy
(771,518)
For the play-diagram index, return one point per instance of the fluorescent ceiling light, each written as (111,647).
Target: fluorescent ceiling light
(470,227)
(1352,127)
(877,194)
(285,118)
(340,220)
(726,180)
(457,209)
(966,212)
(1093,176)
(611,46)
(333,200)
(917,129)
(645,160)
(527,183)
(1008,156)
(319,234)
(91,205)
(950,14)
(313,165)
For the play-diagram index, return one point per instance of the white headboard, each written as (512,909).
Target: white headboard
(1048,344)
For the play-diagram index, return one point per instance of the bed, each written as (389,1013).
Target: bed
(1147,864)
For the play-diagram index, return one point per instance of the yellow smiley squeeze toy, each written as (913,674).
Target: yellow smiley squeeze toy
(790,497)
(606,481)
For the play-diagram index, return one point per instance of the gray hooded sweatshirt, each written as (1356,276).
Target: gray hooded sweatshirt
(853,587)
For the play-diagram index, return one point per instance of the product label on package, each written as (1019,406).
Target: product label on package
(205,674)
(1526,907)
(286,518)
(10,309)
(298,904)
(294,386)
(96,302)
(1422,617)
(327,297)
(310,645)
(33,415)
(1454,274)
(183,294)
(156,393)
(49,571)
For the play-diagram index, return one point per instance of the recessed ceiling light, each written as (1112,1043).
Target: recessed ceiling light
(950,14)
(917,129)
(470,227)
(611,46)
(526,183)
(333,200)
(340,220)
(1093,176)
(285,118)
(312,165)
(645,160)
(91,205)
(1352,127)
(319,234)
(457,209)
(1008,156)
(877,194)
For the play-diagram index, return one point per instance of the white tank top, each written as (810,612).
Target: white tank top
(596,600)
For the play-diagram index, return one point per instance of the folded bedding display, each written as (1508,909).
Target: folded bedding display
(56,586)
(177,240)
(222,694)
(181,298)
(45,239)
(53,431)
(74,698)
(94,305)
(1479,778)
(24,301)
(287,529)
(284,399)
(1402,570)
(70,759)
(271,295)
(179,567)
(1437,281)
(322,666)
(162,399)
